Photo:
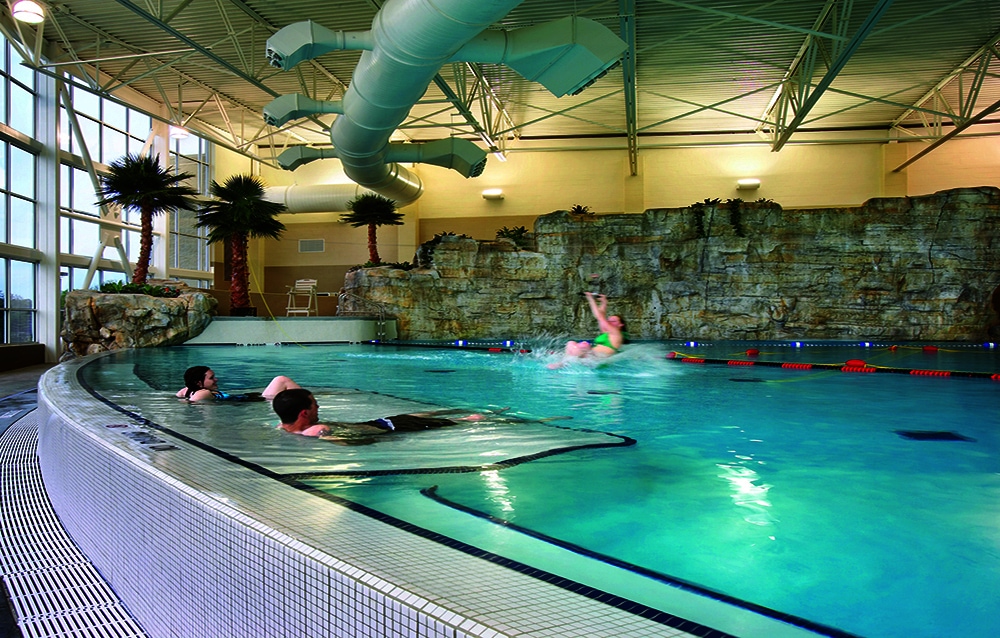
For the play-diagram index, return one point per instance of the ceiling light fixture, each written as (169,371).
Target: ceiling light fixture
(493,193)
(748,184)
(28,11)
(178,133)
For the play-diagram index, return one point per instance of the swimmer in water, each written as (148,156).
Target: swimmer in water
(299,414)
(201,384)
(606,344)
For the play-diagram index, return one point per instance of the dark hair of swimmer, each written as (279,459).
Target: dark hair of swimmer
(194,377)
(289,403)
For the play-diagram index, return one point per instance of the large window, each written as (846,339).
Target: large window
(17,85)
(17,300)
(189,249)
(18,221)
(28,280)
(17,196)
(110,129)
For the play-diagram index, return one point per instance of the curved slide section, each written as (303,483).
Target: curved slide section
(409,42)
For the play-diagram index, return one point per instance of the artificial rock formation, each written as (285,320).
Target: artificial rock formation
(905,269)
(95,322)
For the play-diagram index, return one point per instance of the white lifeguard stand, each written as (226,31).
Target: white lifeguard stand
(302,298)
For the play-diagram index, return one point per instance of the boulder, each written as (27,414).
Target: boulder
(95,322)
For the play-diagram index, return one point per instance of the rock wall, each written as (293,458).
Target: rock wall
(921,268)
(95,322)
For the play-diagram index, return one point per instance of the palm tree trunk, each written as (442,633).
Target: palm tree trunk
(239,288)
(145,246)
(373,245)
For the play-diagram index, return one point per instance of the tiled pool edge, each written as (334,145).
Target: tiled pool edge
(192,563)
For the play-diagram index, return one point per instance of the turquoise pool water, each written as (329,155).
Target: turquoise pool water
(789,491)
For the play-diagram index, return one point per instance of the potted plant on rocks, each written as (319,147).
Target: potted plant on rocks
(139,183)
(372,210)
(238,213)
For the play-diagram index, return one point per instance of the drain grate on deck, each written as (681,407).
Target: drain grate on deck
(53,588)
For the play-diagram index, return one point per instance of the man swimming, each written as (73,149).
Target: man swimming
(299,414)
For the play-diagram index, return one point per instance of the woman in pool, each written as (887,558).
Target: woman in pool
(201,384)
(606,344)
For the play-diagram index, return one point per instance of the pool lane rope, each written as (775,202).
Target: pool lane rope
(851,365)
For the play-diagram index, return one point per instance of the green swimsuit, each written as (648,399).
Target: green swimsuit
(604,340)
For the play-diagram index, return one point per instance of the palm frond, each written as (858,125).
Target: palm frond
(371,208)
(239,209)
(138,182)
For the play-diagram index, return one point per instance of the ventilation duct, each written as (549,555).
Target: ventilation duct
(409,42)
(315,198)
(565,56)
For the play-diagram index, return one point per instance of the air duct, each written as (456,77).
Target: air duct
(315,198)
(565,56)
(409,42)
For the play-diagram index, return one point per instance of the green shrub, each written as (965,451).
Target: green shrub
(128,288)
(398,265)
(518,234)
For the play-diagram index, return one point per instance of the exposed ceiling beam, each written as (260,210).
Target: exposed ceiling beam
(986,51)
(978,117)
(748,18)
(626,22)
(203,50)
(846,52)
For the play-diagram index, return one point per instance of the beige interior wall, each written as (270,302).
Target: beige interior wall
(533,183)
(958,163)
(796,177)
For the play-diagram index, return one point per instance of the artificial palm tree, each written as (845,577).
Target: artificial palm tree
(239,212)
(139,183)
(372,210)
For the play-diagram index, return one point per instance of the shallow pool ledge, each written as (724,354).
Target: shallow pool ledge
(197,546)
(265,331)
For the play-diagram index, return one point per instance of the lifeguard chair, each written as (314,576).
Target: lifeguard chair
(302,298)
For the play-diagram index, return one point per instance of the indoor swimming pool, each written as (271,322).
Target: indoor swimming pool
(844,504)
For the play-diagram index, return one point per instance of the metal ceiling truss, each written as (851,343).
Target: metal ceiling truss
(563,113)
(798,95)
(626,30)
(967,81)
(700,108)
(158,66)
(475,101)
(936,107)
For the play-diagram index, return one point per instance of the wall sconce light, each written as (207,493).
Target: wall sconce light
(748,184)
(178,133)
(28,11)
(493,193)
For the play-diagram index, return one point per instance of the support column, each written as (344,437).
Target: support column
(47,216)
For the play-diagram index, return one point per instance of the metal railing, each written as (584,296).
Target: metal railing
(355,301)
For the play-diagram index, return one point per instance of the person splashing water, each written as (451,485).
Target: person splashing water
(606,344)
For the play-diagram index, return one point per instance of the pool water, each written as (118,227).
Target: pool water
(787,491)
